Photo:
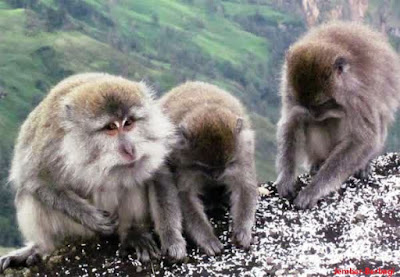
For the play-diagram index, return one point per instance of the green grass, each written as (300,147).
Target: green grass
(221,38)
(265,148)
(4,5)
(5,250)
(232,9)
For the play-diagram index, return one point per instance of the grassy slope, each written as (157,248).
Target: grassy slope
(217,36)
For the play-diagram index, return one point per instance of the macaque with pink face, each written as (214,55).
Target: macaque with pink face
(85,162)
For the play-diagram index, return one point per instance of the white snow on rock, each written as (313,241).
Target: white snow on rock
(353,229)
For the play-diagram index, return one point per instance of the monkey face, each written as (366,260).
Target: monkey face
(208,159)
(212,172)
(119,135)
(315,72)
(209,147)
(117,128)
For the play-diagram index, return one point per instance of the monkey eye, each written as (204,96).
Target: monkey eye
(129,122)
(326,76)
(231,162)
(112,126)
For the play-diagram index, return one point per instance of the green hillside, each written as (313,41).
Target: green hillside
(164,42)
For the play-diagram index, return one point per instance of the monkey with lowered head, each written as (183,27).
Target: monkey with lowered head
(216,147)
(340,90)
(84,163)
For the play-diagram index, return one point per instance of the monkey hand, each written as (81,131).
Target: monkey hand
(174,247)
(100,221)
(308,197)
(211,245)
(27,256)
(142,243)
(242,236)
(286,186)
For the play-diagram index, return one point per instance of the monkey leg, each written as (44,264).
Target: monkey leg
(363,172)
(166,214)
(196,223)
(140,239)
(243,186)
(134,228)
(344,160)
(43,228)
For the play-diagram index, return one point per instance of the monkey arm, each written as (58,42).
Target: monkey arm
(345,159)
(287,138)
(70,204)
(195,220)
(243,186)
(166,213)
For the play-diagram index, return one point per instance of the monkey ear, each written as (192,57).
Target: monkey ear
(67,111)
(184,132)
(239,125)
(341,65)
(184,136)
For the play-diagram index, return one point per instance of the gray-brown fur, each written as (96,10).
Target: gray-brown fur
(216,147)
(74,179)
(340,90)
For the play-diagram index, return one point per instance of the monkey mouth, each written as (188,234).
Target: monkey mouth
(133,163)
(126,165)
(130,164)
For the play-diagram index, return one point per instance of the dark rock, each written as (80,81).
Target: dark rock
(355,228)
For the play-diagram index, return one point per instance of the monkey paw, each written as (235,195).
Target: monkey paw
(286,187)
(212,246)
(143,244)
(21,259)
(176,251)
(173,245)
(307,198)
(101,221)
(242,237)
(363,174)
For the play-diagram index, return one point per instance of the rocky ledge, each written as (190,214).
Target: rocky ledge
(354,229)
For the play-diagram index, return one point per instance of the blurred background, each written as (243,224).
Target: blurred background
(236,44)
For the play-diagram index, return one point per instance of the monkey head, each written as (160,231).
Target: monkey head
(115,126)
(316,73)
(208,139)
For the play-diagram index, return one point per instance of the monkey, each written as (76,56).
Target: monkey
(85,163)
(340,89)
(215,148)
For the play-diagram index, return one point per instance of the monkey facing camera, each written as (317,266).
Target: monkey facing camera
(340,90)
(215,147)
(85,162)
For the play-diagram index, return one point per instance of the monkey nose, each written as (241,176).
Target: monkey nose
(127,151)
(216,174)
